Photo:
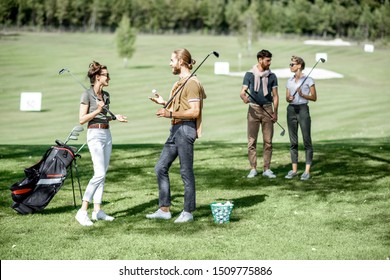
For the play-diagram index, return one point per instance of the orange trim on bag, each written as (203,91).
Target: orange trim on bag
(22,191)
(54,175)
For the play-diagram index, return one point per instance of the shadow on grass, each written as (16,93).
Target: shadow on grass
(340,165)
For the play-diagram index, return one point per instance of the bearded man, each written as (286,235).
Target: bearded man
(184,108)
(263,86)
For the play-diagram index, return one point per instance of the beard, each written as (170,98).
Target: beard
(176,70)
(265,67)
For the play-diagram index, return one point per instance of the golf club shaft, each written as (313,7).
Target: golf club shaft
(80,83)
(306,77)
(192,74)
(247,92)
(81,147)
(77,80)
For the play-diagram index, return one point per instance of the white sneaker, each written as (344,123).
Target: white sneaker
(305,176)
(82,218)
(268,173)
(160,214)
(184,217)
(101,215)
(291,174)
(252,173)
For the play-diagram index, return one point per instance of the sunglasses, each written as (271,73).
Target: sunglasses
(292,64)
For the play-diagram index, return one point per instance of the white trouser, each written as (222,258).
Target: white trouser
(100,146)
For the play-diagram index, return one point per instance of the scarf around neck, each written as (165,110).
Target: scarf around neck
(264,76)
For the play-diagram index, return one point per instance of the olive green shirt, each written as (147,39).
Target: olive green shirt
(89,98)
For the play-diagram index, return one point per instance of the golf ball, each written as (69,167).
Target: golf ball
(154,91)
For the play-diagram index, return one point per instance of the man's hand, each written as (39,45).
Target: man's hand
(244,98)
(163,113)
(157,99)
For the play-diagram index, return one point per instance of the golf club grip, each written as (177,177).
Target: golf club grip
(247,92)
(300,85)
(111,113)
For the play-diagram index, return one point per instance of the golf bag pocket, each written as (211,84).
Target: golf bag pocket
(22,189)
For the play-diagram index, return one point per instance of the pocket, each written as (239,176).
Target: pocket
(189,131)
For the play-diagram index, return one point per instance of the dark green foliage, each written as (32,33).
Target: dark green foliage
(361,20)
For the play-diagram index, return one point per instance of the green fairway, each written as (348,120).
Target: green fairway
(341,213)
(355,106)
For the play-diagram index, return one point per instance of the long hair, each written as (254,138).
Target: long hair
(185,55)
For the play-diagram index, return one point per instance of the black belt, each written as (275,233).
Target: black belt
(261,105)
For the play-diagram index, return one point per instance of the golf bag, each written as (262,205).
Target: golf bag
(43,180)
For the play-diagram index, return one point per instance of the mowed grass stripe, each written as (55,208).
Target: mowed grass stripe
(343,104)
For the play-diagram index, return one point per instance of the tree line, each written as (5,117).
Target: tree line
(354,19)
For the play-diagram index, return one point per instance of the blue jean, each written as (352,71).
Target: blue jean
(299,115)
(180,143)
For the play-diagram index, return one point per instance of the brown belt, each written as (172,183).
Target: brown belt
(99,125)
(179,121)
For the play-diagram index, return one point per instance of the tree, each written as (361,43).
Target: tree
(125,39)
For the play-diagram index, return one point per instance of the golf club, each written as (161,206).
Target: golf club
(81,147)
(63,70)
(322,60)
(192,74)
(74,133)
(283,130)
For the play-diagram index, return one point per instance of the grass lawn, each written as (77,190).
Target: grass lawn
(341,213)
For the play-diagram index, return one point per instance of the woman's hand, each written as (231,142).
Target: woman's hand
(121,118)
(100,105)
(290,98)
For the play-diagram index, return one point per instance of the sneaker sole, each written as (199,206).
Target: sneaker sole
(158,218)
(178,222)
(84,225)
(290,177)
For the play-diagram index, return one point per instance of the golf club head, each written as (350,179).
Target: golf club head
(322,60)
(73,137)
(59,143)
(282,133)
(62,71)
(215,53)
(75,133)
(78,128)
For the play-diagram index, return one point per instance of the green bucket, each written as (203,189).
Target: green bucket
(221,212)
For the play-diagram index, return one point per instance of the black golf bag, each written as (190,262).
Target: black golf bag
(43,180)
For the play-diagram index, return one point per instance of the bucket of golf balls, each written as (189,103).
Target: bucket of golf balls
(221,211)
